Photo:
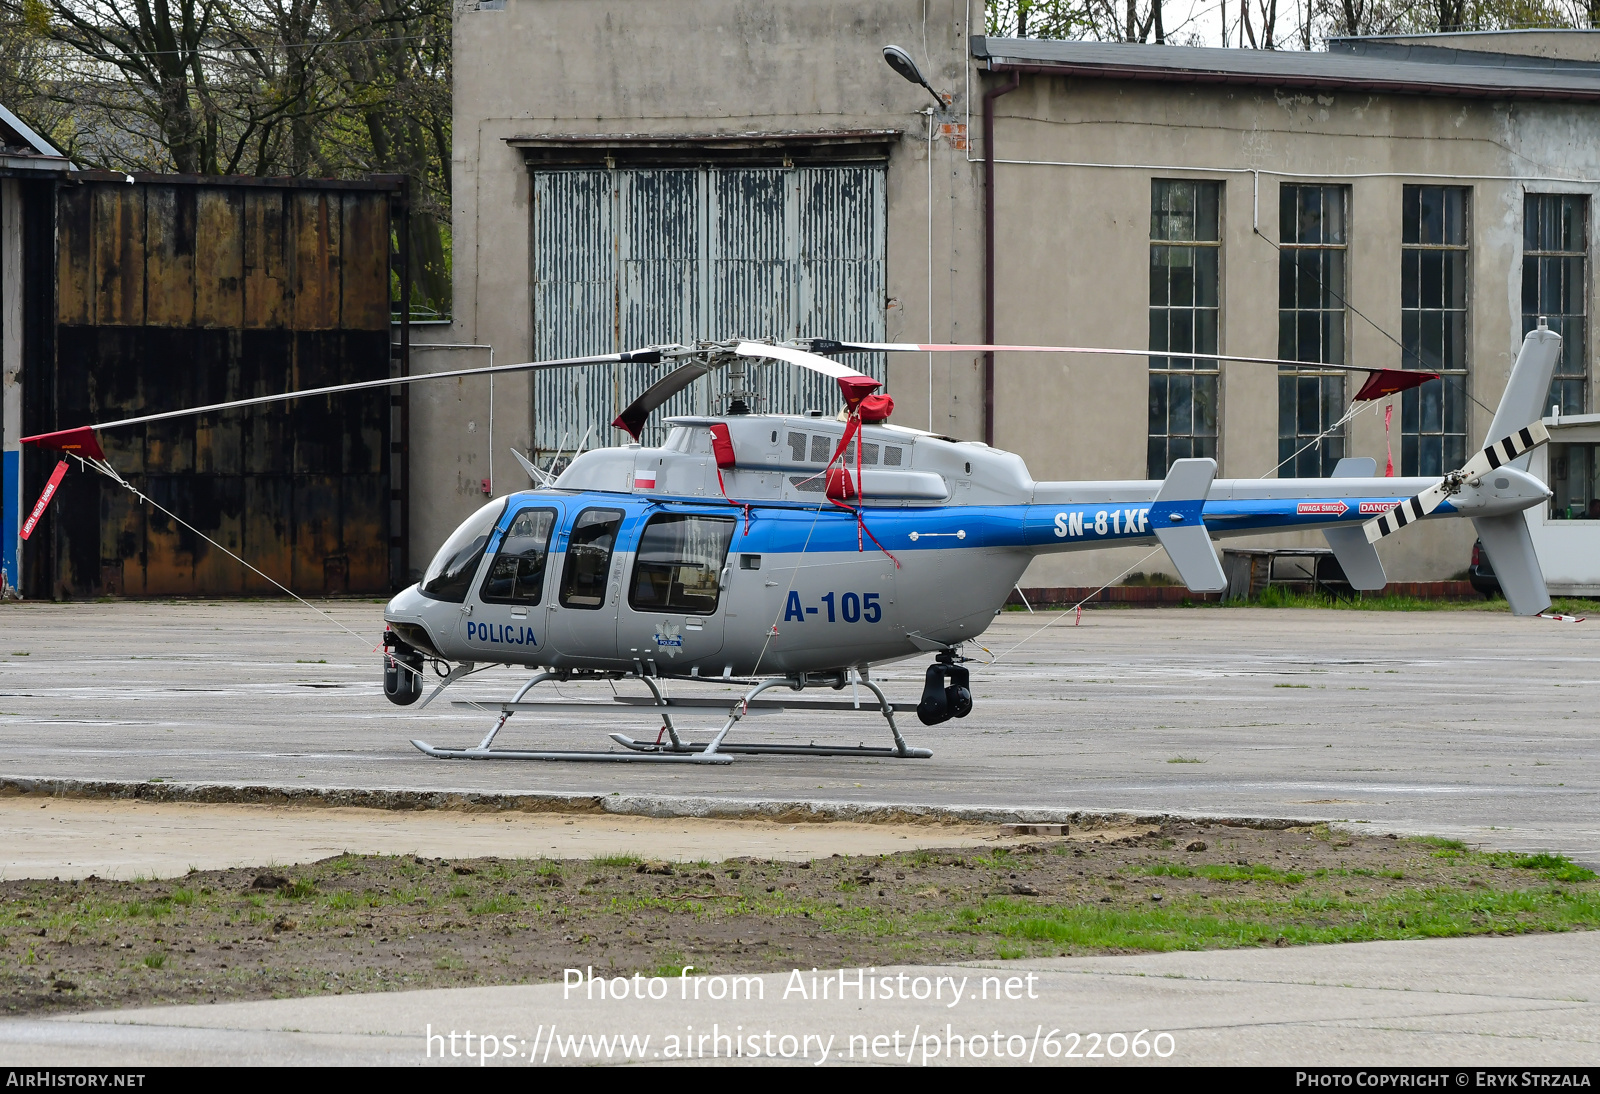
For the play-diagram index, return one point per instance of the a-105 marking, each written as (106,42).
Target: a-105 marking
(852,607)
(1117,522)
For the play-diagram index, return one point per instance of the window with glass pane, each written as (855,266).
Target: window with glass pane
(589,546)
(1433,327)
(1185,254)
(678,567)
(1555,252)
(517,574)
(1312,247)
(1575,482)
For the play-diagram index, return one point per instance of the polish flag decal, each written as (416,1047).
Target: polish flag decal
(642,483)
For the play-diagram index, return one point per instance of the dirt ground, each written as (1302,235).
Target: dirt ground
(65,838)
(366,923)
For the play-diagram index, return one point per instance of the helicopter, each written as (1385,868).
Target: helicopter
(767,551)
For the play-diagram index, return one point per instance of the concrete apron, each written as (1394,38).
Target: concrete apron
(1532,1000)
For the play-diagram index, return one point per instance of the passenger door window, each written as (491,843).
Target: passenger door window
(678,567)
(589,547)
(517,574)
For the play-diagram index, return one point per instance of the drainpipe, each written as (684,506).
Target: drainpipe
(988,248)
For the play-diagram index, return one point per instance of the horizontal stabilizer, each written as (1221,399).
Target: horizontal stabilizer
(1516,567)
(1357,558)
(1178,525)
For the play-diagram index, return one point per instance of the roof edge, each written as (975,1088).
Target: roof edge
(1492,85)
(41,147)
(715,140)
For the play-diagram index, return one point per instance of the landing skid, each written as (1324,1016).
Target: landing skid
(771,750)
(670,747)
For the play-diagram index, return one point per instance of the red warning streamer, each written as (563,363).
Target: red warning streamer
(44,499)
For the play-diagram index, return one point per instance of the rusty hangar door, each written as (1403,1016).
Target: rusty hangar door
(177,291)
(639,241)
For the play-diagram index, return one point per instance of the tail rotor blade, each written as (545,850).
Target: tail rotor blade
(1498,454)
(1412,509)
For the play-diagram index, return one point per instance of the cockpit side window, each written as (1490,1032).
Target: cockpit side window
(449,575)
(517,574)
(678,567)
(589,547)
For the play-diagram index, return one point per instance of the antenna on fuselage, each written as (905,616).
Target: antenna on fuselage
(539,478)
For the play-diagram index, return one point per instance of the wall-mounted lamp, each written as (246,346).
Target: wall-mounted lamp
(901,62)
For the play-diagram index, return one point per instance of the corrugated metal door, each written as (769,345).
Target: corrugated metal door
(574,296)
(637,256)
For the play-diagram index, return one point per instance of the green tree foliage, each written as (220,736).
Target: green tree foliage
(304,88)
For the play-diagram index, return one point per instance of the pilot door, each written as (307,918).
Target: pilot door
(673,615)
(583,612)
(508,615)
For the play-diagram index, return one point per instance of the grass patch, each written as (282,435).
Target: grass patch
(1555,867)
(1193,924)
(1281,596)
(614,861)
(371,923)
(496,905)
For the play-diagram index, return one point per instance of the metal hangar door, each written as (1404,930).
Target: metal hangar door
(643,254)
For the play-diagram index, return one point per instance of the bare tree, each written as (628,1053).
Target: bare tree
(326,88)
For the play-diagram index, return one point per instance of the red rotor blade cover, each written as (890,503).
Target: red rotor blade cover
(841,485)
(876,408)
(81,440)
(1390,380)
(722,446)
(856,388)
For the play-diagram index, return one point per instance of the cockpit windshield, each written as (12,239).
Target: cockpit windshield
(450,573)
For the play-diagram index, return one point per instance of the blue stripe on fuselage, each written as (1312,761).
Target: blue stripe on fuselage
(791,529)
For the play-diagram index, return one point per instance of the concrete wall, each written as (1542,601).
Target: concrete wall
(1072,241)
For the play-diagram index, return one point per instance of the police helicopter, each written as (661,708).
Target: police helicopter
(766,551)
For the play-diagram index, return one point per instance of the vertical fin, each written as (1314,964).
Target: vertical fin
(1526,390)
(1510,549)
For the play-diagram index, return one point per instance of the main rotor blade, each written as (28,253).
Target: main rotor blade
(1498,454)
(634,416)
(644,356)
(824,345)
(852,384)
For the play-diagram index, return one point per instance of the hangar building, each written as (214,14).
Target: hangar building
(637,172)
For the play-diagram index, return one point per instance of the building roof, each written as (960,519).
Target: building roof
(22,148)
(1409,70)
